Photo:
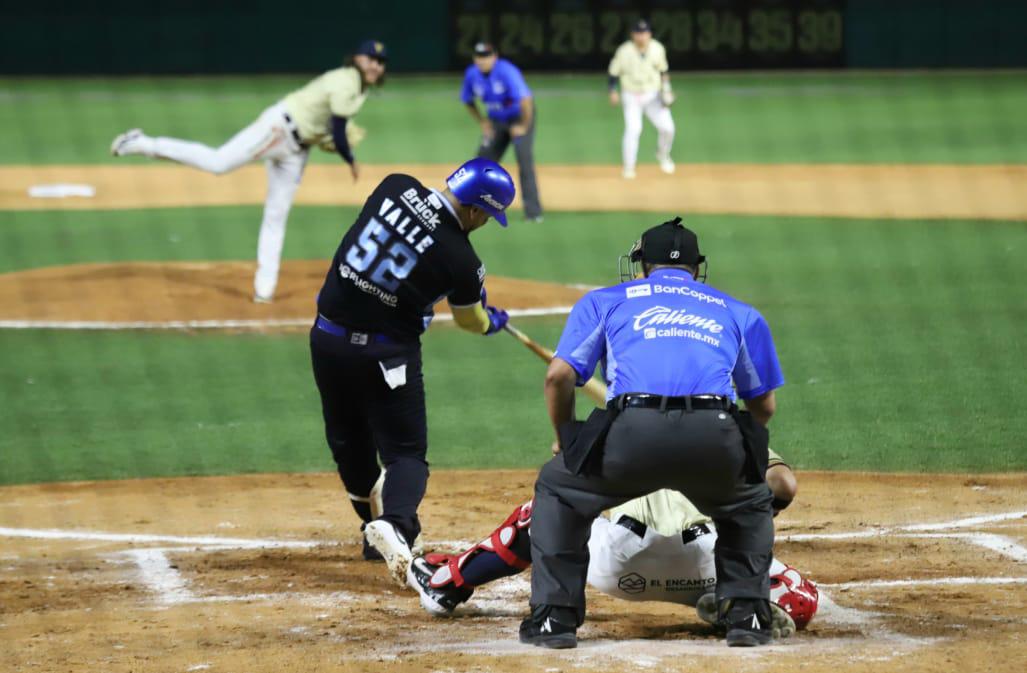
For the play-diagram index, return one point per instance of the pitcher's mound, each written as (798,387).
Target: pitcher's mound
(181,292)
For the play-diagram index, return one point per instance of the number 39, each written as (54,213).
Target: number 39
(392,267)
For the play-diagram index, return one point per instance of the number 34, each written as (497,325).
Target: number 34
(392,267)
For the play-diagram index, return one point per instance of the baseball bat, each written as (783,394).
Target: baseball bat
(594,388)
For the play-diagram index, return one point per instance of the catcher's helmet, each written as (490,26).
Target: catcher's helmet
(796,595)
(484,184)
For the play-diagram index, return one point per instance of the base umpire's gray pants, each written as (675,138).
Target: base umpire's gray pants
(524,148)
(699,453)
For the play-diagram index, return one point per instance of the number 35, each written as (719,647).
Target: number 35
(392,267)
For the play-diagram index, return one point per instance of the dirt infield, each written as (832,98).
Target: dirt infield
(262,573)
(845,190)
(218,293)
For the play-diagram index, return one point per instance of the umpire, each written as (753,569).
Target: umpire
(670,348)
(407,250)
(510,116)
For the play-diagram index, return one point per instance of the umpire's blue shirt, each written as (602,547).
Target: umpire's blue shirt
(501,90)
(670,335)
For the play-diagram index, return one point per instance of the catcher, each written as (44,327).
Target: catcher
(655,548)
(317,114)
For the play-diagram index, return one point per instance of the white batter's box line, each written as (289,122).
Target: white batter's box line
(887,530)
(225,324)
(927,582)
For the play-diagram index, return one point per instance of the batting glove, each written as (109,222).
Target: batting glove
(497,319)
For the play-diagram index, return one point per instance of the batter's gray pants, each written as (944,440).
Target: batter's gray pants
(699,453)
(495,148)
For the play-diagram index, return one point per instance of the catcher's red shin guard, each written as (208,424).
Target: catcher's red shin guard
(510,542)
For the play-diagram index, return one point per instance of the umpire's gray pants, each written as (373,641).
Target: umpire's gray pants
(699,453)
(524,147)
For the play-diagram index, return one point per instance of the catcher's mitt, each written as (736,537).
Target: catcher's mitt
(354,135)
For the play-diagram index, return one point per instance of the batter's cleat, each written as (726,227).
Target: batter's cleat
(370,553)
(781,624)
(549,626)
(262,299)
(128,142)
(628,173)
(393,547)
(746,621)
(666,165)
(437,601)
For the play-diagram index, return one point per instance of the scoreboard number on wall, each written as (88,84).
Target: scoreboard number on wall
(583,34)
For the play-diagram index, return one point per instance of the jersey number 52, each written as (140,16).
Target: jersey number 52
(392,260)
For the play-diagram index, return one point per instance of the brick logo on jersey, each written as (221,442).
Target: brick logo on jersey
(639,291)
(632,583)
(426,210)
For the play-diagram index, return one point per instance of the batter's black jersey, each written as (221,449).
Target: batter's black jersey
(404,253)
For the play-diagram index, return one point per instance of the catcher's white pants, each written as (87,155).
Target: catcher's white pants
(653,567)
(270,139)
(634,105)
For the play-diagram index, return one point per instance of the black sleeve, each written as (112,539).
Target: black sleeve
(467,283)
(614,82)
(339,137)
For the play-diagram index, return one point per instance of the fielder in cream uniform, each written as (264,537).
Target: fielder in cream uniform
(639,68)
(317,114)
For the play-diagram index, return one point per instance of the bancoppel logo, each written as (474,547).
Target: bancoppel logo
(686,291)
(639,291)
(487,198)
(632,583)
(649,333)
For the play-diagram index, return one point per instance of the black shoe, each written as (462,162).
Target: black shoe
(747,622)
(552,627)
(439,601)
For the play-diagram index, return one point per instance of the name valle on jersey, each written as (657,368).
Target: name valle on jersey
(426,212)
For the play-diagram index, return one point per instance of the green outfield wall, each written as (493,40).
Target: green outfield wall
(266,36)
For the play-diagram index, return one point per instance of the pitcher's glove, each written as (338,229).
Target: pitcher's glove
(354,136)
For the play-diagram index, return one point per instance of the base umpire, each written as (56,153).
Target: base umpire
(407,250)
(670,348)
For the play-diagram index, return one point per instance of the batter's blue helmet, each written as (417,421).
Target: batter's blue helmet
(485,184)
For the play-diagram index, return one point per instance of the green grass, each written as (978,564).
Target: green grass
(901,342)
(737,117)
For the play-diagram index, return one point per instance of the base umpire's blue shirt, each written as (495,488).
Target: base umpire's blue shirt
(670,335)
(501,90)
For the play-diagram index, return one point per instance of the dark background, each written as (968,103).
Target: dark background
(261,36)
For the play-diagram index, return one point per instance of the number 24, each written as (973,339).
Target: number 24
(398,262)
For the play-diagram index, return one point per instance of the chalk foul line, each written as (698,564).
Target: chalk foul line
(226,324)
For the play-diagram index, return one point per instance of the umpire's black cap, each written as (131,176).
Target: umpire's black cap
(372,48)
(669,243)
(641,26)
(484,49)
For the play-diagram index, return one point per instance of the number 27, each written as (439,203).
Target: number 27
(397,263)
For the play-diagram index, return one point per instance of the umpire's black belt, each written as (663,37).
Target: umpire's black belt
(639,529)
(355,337)
(688,402)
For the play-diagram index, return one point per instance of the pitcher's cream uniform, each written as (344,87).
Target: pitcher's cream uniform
(641,79)
(281,137)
